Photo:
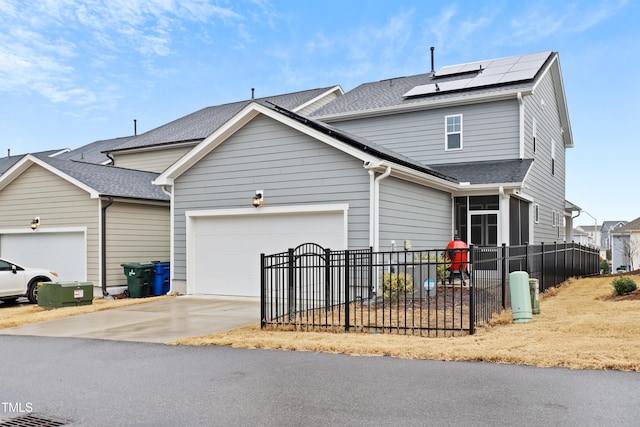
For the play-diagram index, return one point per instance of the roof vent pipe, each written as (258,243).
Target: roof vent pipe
(8,152)
(253,92)
(135,127)
(432,61)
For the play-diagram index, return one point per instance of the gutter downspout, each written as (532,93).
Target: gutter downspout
(103,231)
(165,191)
(376,202)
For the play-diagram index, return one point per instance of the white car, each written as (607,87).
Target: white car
(17,281)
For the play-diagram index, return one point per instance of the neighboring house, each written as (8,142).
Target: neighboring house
(625,245)
(593,235)
(88,218)
(608,227)
(475,151)
(581,236)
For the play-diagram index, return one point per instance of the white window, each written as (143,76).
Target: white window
(453,132)
(534,133)
(553,157)
(536,213)
(554,219)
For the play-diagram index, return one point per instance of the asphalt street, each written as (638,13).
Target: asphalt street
(92,382)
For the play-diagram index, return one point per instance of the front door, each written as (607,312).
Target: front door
(484,228)
(483,235)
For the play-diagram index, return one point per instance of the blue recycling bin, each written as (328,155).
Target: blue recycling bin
(161,276)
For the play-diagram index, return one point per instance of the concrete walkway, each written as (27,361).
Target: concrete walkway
(158,321)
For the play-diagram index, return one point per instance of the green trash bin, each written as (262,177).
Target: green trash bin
(55,295)
(139,278)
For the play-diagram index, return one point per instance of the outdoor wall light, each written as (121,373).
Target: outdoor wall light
(35,223)
(258,199)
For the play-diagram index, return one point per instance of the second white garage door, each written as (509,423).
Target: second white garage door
(224,251)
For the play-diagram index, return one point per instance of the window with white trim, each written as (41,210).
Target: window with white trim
(536,213)
(453,132)
(554,219)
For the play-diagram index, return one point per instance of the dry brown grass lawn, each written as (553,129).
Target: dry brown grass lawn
(17,315)
(579,327)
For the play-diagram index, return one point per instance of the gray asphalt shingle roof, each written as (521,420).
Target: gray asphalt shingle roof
(94,152)
(110,180)
(487,172)
(197,126)
(7,162)
(633,225)
(390,92)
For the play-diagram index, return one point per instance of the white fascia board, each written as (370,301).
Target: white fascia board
(158,147)
(237,122)
(28,160)
(558,83)
(465,190)
(337,89)
(427,105)
(57,153)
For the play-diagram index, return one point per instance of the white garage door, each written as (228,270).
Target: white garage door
(225,255)
(62,252)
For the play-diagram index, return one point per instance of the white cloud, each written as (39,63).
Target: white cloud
(50,46)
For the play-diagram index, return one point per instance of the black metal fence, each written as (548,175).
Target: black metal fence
(440,292)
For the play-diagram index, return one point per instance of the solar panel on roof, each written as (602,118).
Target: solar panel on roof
(493,72)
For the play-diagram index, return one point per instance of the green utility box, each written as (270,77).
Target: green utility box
(534,289)
(520,297)
(139,278)
(55,295)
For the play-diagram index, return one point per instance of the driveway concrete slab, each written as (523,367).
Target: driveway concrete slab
(158,321)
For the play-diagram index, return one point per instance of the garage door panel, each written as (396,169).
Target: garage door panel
(62,252)
(226,250)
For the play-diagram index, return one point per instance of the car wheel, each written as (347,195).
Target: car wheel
(32,291)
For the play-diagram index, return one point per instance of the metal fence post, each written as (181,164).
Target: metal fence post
(542,272)
(347,302)
(472,291)
(263,298)
(327,279)
(291,279)
(555,263)
(504,276)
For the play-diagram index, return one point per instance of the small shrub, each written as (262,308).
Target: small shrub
(623,285)
(397,284)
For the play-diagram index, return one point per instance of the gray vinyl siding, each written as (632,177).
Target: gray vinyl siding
(318,104)
(59,204)
(412,212)
(150,160)
(135,233)
(547,189)
(490,132)
(292,169)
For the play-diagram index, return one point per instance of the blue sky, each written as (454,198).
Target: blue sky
(73,72)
